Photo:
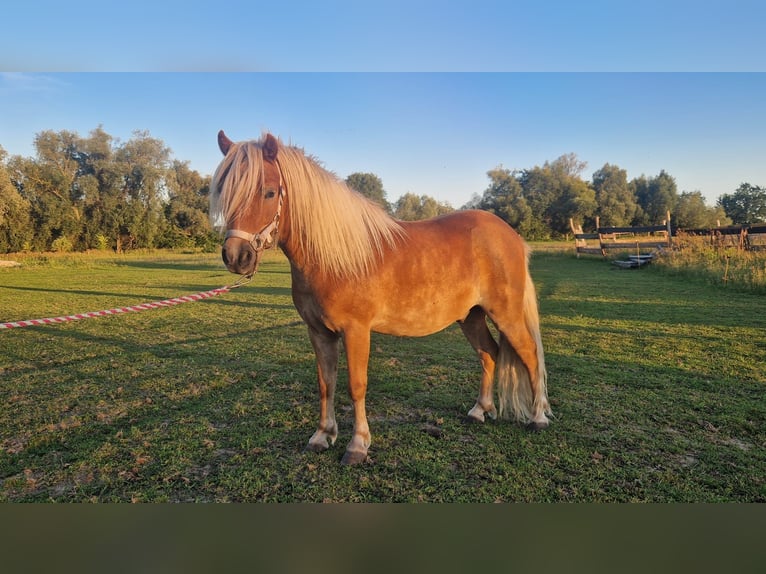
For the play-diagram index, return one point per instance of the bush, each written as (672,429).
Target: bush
(102,242)
(62,245)
(210,243)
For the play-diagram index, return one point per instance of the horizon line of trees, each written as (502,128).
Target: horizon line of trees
(95,192)
(540,201)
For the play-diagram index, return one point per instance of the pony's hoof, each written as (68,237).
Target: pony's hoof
(321,440)
(535,426)
(476,415)
(352,457)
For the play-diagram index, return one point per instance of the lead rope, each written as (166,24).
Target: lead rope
(244,280)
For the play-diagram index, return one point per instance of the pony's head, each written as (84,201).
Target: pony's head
(247,195)
(265,192)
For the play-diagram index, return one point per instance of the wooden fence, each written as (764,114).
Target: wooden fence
(743,237)
(643,241)
(647,238)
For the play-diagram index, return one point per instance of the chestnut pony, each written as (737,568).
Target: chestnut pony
(356,270)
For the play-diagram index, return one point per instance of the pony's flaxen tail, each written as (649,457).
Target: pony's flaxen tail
(522,394)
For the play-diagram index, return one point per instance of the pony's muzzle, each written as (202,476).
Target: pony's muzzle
(239,256)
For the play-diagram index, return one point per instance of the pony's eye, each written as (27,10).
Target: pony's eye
(269,193)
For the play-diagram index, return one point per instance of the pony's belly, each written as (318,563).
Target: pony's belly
(418,323)
(411,330)
(407,312)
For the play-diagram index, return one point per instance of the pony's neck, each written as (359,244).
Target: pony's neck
(289,244)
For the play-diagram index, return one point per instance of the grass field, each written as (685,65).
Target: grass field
(657,384)
(724,266)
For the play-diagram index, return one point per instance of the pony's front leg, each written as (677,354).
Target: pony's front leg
(325,345)
(357,343)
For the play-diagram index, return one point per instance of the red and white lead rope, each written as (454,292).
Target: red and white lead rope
(119,310)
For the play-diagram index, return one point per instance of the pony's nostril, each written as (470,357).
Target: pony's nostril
(245,257)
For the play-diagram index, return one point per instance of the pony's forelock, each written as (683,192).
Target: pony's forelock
(236,181)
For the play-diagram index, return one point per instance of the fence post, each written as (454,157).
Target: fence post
(574,233)
(670,230)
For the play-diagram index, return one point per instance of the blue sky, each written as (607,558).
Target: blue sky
(427,95)
(383,35)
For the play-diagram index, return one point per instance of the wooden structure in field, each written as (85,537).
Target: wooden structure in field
(742,237)
(756,237)
(640,241)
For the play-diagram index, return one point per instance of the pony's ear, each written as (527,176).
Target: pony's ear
(224,143)
(270,148)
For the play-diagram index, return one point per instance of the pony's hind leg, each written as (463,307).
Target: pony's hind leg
(475,329)
(326,348)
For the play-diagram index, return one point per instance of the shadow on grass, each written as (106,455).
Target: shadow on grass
(242,439)
(265,268)
(130,345)
(168,265)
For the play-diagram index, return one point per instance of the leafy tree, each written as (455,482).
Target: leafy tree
(540,189)
(616,202)
(186,209)
(655,197)
(59,152)
(568,165)
(693,213)
(15,221)
(47,190)
(577,201)
(411,207)
(746,205)
(143,161)
(474,203)
(505,198)
(369,185)
(93,192)
(555,193)
(100,185)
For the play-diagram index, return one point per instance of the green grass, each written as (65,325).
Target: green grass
(657,385)
(697,259)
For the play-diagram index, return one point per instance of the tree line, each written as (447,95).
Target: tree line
(95,192)
(540,201)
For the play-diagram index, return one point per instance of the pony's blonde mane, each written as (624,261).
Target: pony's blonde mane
(337,229)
